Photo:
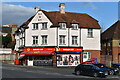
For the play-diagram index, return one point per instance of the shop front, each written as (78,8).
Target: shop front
(37,56)
(68,56)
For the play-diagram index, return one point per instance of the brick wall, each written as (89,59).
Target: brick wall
(94,54)
(116,51)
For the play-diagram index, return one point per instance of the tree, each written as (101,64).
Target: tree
(6,40)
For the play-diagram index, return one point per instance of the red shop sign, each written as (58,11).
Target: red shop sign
(69,49)
(39,49)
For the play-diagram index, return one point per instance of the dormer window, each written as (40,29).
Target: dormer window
(74,26)
(62,25)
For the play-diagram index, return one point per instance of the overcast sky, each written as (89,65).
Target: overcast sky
(18,12)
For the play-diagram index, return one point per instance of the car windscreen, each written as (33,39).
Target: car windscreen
(95,67)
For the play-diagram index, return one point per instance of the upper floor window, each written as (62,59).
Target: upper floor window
(44,25)
(62,39)
(90,33)
(35,39)
(35,25)
(74,40)
(44,39)
(74,26)
(62,25)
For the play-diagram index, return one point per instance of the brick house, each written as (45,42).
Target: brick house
(111,44)
(61,34)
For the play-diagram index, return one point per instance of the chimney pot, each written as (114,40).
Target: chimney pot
(37,9)
(62,8)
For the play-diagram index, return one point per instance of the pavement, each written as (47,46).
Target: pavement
(10,71)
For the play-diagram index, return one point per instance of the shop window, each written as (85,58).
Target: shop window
(35,40)
(74,26)
(44,39)
(74,40)
(62,39)
(90,33)
(35,26)
(44,25)
(62,25)
(68,60)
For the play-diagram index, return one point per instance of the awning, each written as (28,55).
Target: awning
(37,53)
(68,52)
(21,56)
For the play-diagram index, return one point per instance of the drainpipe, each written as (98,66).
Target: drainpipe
(80,37)
(68,37)
(57,38)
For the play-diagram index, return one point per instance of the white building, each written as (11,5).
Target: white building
(60,29)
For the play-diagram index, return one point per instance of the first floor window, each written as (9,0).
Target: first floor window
(44,39)
(44,25)
(35,25)
(74,40)
(35,39)
(90,33)
(62,39)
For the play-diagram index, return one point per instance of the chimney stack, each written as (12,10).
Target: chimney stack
(62,8)
(37,9)
(14,25)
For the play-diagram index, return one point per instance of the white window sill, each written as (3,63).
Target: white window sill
(34,44)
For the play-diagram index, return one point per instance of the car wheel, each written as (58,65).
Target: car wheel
(111,72)
(95,74)
(77,73)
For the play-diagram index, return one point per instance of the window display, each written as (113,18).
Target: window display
(68,60)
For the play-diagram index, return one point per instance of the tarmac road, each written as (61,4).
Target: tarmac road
(24,72)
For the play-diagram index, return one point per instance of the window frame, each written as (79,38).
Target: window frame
(35,26)
(90,33)
(62,39)
(35,40)
(74,26)
(74,40)
(44,26)
(62,25)
(44,39)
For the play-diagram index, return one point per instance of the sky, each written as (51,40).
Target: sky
(18,12)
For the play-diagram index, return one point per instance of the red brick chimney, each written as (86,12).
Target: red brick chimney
(14,25)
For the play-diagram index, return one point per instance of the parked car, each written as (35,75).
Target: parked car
(111,71)
(87,62)
(116,66)
(90,69)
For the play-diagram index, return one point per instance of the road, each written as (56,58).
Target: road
(18,71)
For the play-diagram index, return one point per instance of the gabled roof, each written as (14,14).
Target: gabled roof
(84,20)
(112,32)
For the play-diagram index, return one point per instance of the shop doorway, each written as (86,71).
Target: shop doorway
(37,60)
(86,56)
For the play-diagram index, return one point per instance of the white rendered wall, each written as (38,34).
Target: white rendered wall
(50,32)
(90,43)
(75,33)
